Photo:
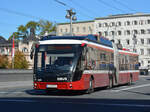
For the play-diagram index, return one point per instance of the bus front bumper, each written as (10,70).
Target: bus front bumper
(77,85)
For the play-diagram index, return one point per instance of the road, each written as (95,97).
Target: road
(16,94)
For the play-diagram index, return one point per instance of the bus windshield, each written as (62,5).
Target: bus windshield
(56,58)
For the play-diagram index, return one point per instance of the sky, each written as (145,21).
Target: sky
(14,13)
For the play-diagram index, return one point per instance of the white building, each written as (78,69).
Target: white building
(125,29)
(78,28)
(122,28)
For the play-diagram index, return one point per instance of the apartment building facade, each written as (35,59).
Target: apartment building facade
(78,28)
(130,30)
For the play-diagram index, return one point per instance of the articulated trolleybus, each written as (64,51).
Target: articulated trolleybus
(82,63)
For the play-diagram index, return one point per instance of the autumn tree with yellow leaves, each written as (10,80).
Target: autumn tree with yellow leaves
(20,61)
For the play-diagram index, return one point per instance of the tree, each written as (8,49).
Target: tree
(22,30)
(16,36)
(4,62)
(33,26)
(20,61)
(46,26)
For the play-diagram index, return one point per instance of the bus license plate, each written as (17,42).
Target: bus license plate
(51,86)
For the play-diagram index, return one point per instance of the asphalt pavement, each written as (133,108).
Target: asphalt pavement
(19,96)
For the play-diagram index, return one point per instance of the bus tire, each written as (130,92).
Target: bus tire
(90,89)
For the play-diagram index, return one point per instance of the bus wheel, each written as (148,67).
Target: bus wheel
(90,89)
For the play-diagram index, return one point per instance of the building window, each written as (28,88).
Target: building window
(119,32)
(128,23)
(135,22)
(141,22)
(106,24)
(148,61)
(135,32)
(128,32)
(119,23)
(148,41)
(112,24)
(61,30)
(24,50)
(66,30)
(106,33)
(142,51)
(84,29)
(148,52)
(148,31)
(128,41)
(77,29)
(100,25)
(142,31)
(142,41)
(72,29)
(112,33)
(148,21)
(90,29)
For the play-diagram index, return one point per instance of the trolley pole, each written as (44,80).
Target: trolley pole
(13,50)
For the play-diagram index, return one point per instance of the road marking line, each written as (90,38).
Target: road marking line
(131,88)
(3,92)
(144,76)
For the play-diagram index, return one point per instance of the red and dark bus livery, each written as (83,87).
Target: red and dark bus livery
(82,63)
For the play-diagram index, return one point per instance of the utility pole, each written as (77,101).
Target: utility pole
(71,15)
(13,50)
(134,42)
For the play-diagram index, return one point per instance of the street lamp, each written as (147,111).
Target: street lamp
(134,42)
(71,15)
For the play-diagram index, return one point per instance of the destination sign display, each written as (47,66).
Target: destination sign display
(59,48)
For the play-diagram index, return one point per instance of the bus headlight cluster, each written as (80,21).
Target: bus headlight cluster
(70,85)
(39,80)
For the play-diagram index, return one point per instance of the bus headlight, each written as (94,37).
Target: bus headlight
(39,80)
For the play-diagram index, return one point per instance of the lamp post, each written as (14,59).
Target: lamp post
(71,15)
(134,42)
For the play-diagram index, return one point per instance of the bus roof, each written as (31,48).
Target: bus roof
(92,38)
(82,39)
(88,37)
